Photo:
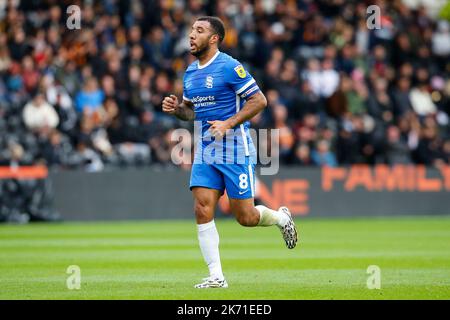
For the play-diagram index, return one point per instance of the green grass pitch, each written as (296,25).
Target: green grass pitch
(161,260)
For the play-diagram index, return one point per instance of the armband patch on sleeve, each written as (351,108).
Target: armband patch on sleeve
(249,91)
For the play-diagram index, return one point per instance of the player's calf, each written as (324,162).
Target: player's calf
(248,220)
(245,212)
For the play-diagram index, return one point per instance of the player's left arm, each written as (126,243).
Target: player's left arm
(245,86)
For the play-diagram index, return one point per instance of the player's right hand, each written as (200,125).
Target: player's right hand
(170,104)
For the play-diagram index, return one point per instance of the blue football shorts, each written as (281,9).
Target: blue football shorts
(237,179)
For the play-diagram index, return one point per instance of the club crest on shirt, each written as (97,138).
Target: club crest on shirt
(240,71)
(209,82)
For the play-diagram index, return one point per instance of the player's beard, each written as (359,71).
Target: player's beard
(201,51)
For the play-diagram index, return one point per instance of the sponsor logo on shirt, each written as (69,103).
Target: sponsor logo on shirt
(200,101)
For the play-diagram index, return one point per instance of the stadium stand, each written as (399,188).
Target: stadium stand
(340,93)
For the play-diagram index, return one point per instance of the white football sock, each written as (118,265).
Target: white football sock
(208,238)
(269,217)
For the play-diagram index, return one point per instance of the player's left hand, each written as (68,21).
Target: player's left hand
(218,128)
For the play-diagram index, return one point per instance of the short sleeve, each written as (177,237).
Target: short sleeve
(185,90)
(240,80)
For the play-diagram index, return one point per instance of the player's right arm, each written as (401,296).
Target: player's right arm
(183,111)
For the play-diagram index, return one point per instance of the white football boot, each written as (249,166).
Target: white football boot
(212,283)
(288,229)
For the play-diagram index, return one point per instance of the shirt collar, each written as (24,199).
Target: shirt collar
(209,62)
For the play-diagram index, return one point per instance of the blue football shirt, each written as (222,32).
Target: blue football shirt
(218,90)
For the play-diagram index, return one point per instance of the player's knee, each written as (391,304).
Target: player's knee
(202,211)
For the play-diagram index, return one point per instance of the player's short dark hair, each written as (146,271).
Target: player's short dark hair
(216,24)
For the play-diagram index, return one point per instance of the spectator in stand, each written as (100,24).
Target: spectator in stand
(322,156)
(429,149)
(30,75)
(323,79)
(90,98)
(302,155)
(39,116)
(57,151)
(286,137)
(401,96)
(379,104)
(440,44)
(421,100)
(396,150)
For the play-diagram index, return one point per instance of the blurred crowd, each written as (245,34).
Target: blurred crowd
(339,92)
